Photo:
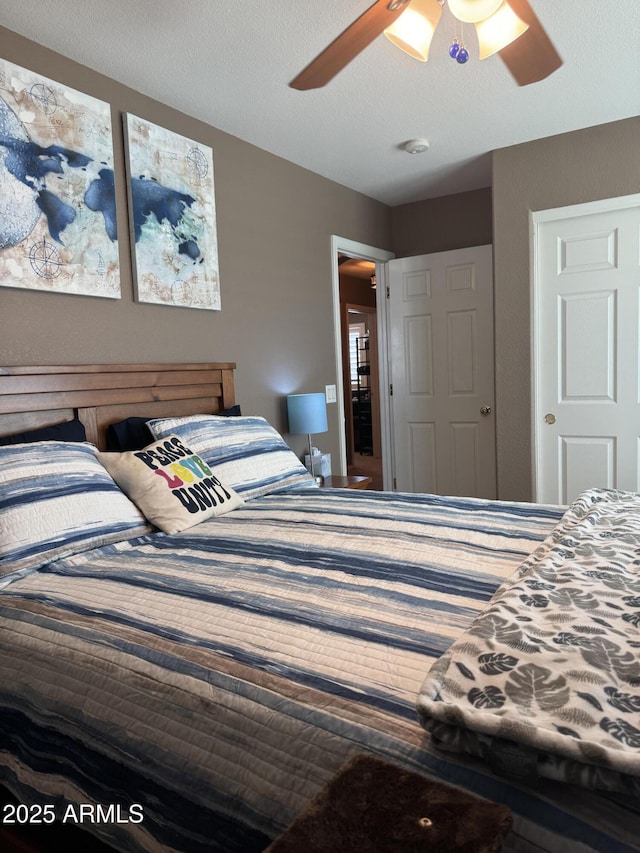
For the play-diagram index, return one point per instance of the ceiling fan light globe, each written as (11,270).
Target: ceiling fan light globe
(413,30)
(499,30)
(472,11)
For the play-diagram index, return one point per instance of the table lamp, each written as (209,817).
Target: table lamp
(307,414)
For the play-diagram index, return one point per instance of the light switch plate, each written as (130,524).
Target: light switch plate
(330,393)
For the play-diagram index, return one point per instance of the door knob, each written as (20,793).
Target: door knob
(550,418)
(485,410)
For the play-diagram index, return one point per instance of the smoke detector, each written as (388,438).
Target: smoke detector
(416,146)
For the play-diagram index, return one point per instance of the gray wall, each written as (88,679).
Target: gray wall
(439,224)
(275,221)
(572,168)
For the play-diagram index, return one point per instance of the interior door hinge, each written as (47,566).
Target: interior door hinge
(387,291)
(391,389)
(395,484)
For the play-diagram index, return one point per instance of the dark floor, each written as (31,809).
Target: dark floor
(367,466)
(49,839)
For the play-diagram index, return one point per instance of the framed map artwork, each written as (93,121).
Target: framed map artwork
(172,216)
(57,204)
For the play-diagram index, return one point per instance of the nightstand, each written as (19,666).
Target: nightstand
(337,482)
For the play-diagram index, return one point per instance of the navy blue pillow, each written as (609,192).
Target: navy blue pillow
(232,412)
(67,431)
(129,434)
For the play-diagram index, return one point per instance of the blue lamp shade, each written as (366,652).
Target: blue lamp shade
(307,413)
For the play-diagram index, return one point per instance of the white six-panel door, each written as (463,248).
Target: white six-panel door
(586,318)
(441,352)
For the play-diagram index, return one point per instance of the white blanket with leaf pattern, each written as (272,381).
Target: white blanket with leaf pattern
(546,682)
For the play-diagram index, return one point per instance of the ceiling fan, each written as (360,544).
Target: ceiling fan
(507,27)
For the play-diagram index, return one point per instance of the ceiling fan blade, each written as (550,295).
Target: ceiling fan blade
(531,57)
(349,44)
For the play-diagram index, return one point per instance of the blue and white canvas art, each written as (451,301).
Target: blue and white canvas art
(172,216)
(57,203)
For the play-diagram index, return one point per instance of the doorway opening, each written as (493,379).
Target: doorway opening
(343,250)
(360,375)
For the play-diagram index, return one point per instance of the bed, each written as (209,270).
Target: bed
(193,690)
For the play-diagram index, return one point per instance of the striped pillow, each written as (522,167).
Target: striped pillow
(56,499)
(246,452)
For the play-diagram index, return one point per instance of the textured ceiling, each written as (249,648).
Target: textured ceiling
(229,63)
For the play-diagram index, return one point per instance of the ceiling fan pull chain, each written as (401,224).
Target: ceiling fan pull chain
(463,54)
(455,44)
(457,50)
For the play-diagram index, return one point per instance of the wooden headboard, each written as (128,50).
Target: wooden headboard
(101,394)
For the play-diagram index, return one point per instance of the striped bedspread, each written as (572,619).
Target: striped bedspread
(218,678)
